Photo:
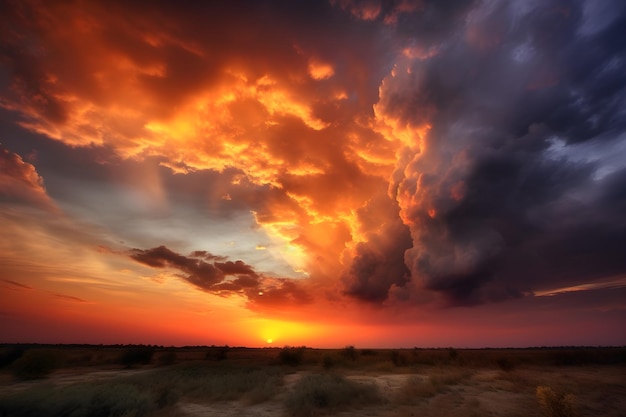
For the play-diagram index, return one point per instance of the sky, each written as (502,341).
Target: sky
(323,173)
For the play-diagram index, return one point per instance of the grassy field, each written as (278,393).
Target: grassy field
(297,381)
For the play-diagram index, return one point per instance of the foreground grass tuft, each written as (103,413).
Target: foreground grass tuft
(556,405)
(322,394)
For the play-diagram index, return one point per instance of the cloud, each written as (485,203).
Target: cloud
(19,181)
(493,213)
(225,278)
(378,261)
(280,110)
(70,298)
(16,285)
(202,274)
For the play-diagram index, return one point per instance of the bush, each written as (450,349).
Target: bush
(328,361)
(292,356)
(350,353)
(505,364)
(556,405)
(140,355)
(323,394)
(211,383)
(416,389)
(218,353)
(398,359)
(167,358)
(35,364)
(10,355)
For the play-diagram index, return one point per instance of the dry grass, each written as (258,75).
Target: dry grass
(555,404)
(325,393)
(189,382)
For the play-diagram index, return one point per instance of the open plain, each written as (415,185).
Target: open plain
(297,381)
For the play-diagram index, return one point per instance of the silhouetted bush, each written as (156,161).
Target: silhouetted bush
(328,361)
(167,358)
(505,364)
(350,353)
(292,356)
(138,355)
(398,359)
(10,355)
(219,353)
(35,364)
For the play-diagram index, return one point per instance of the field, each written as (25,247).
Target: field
(102,381)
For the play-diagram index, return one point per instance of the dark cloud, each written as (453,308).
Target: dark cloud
(202,274)
(496,205)
(378,263)
(70,298)
(17,285)
(226,278)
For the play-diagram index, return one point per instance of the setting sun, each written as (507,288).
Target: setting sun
(269,340)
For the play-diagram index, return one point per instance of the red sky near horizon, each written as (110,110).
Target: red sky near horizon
(369,173)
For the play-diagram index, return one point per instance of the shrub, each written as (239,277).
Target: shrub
(211,383)
(10,355)
(35,364)
(167,358)
(416,389)
(136,356)
(292,356)
(350,353)
(328,361)
(398,359)
(218,353)
(556,405)
(505,364)
(323,394)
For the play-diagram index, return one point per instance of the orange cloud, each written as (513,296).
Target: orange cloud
(20,181)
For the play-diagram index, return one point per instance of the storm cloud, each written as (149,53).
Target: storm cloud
(499,198)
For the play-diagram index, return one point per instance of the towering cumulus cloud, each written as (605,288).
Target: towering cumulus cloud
(509,120)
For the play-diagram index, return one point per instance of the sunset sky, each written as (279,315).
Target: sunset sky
(322,173)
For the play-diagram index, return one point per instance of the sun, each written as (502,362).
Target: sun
(269,340)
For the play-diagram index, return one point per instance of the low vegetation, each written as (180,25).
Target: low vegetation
(322,394)
(152,381)
(555,404)
(141,394)
(36,364)
(292,356)
(138,355)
